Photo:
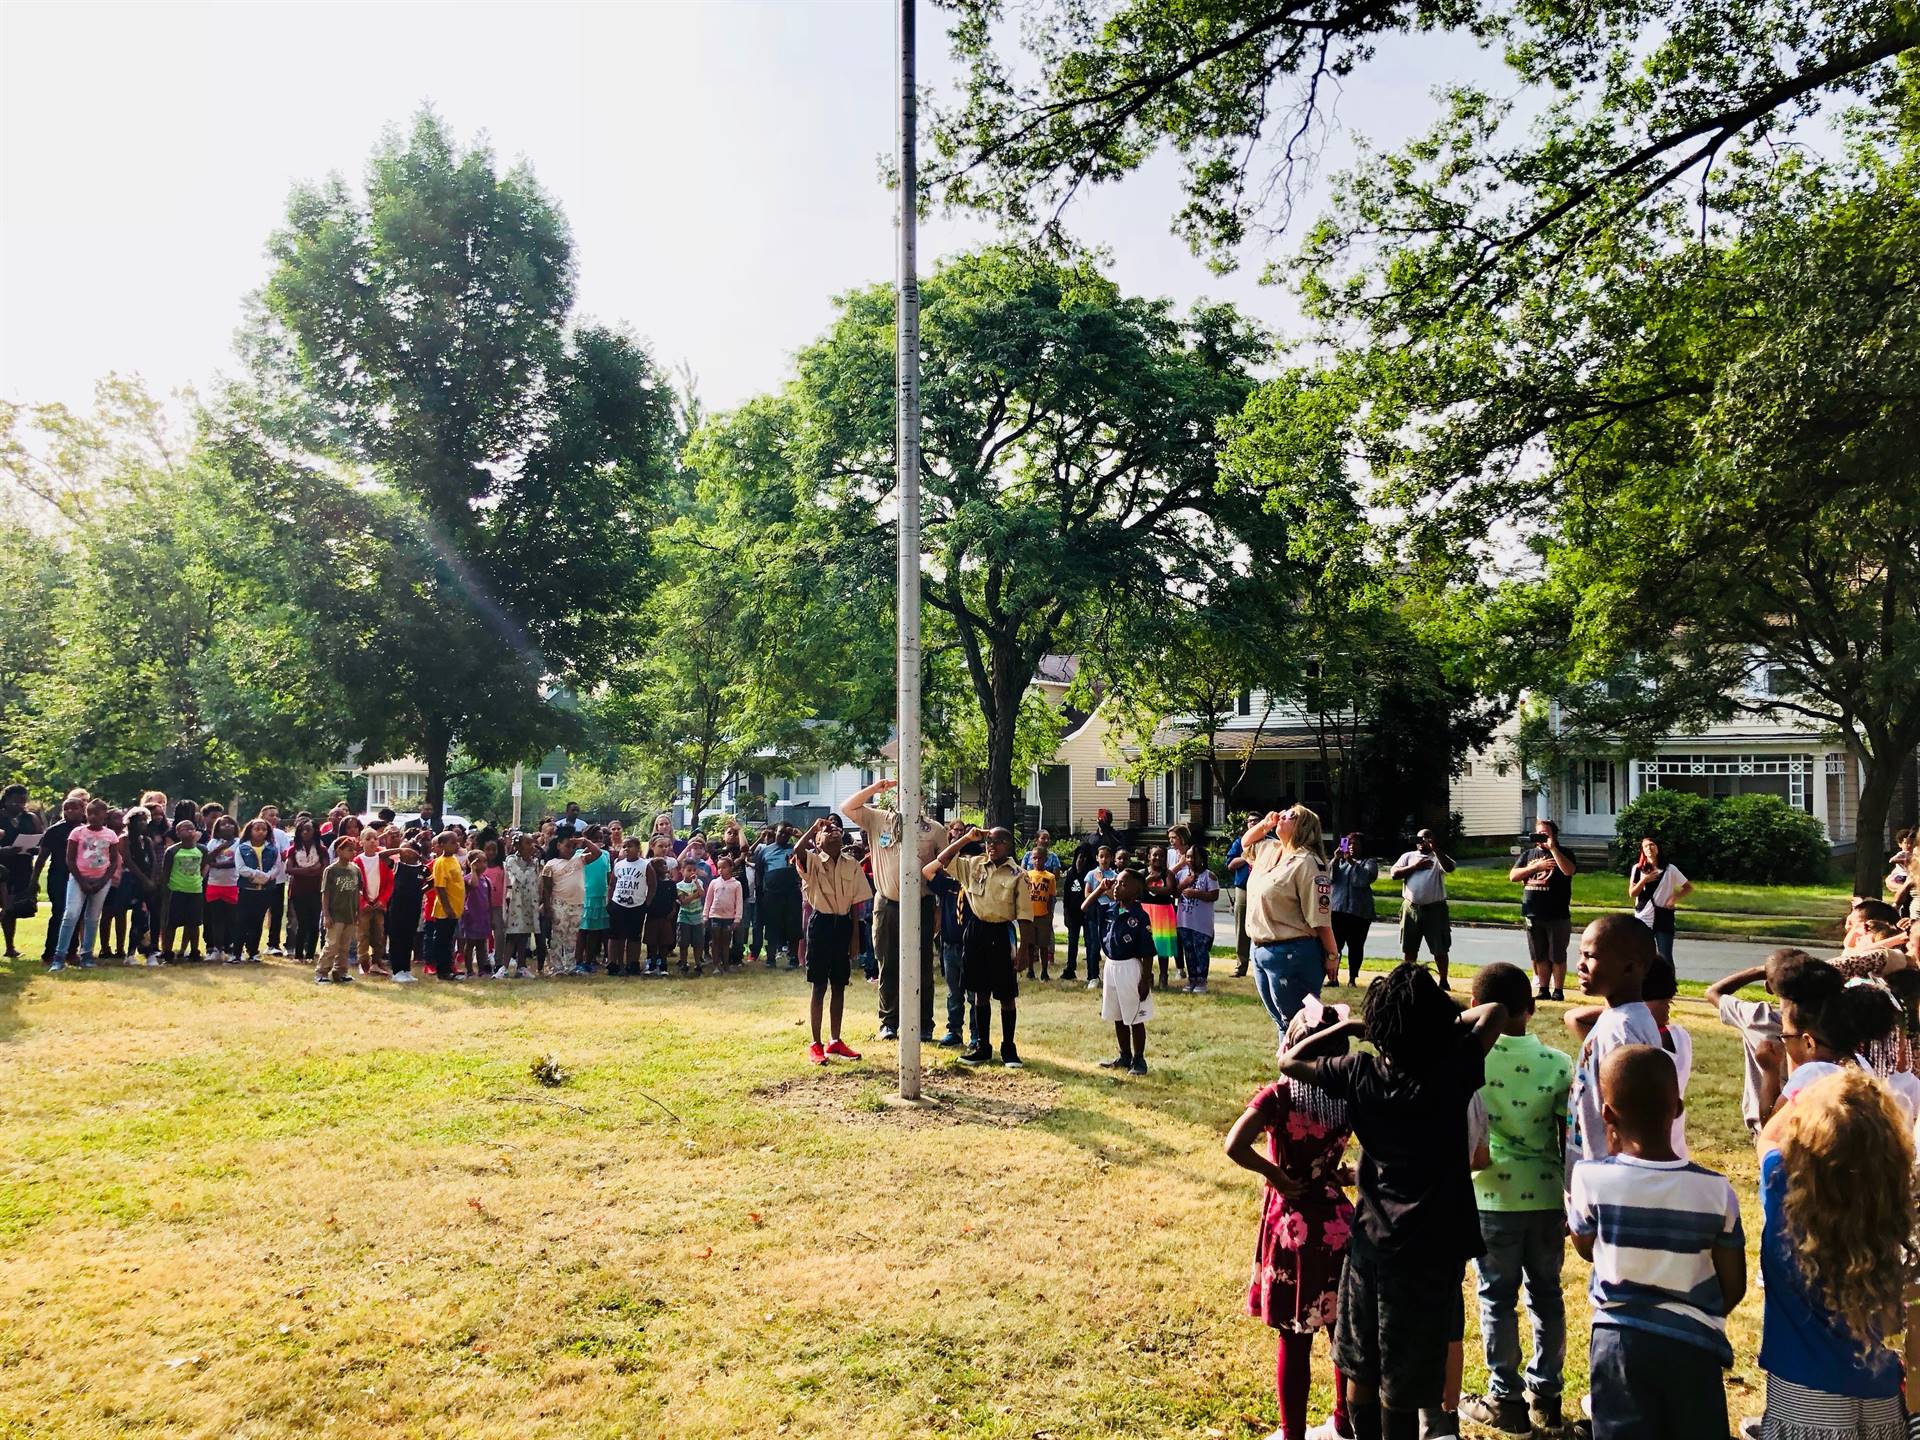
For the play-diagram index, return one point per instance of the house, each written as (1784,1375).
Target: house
(399,784)
(1751,755)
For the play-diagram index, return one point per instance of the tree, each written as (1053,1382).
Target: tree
(1241,90)
(507,465)
(162,650)
(1694,448)
(1067,462)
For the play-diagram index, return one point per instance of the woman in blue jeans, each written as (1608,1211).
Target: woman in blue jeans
(1289,911)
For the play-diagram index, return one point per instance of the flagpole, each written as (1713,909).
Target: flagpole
(907,496)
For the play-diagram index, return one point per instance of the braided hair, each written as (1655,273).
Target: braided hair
(1409,1017)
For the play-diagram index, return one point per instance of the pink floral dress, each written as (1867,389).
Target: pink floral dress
(1303,1238)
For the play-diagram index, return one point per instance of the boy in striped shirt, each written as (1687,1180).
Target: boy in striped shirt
(1669,1262)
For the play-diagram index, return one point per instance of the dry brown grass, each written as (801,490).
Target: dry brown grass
(233,1203)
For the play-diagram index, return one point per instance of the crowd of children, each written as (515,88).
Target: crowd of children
(1479,1141)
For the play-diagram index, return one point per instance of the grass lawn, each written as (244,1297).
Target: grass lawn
(234,1203)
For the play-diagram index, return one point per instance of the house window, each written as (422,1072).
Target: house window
(1103,775)
(547,780)
(1779,680)
(1244,705)
(807,782)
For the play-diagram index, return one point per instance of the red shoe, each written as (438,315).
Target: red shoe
(843,1050)
(816,1054)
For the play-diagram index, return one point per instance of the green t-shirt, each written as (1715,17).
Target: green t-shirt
(183,876)
(1526,1099)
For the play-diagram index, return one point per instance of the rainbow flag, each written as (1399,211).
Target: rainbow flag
(1164,940)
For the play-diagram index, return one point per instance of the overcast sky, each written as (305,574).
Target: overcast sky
(718,164)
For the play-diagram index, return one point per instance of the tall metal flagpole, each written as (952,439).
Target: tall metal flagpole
(907,496)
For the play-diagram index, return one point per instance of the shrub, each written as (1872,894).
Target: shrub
(1764,840)
(1682,823)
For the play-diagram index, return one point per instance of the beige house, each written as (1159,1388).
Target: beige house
(399,784)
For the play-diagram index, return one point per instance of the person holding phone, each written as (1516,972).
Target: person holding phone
(1352,876)
(1422,873)
(1546,908)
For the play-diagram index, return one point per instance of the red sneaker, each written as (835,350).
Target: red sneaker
(816,1054)
(843,1050)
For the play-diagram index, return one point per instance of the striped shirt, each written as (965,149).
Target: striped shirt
(1655,1225)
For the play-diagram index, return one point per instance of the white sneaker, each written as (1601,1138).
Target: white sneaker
(522,973)
(500,972)
(405,977)
(275,950)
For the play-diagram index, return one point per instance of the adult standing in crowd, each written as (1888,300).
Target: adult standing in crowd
(1289,911)
(17,900)
(1352,875)
(1546,908)
(1655,886)
(1103,831)
(779,886)
(425,820)
(885,831)
(1073,895)
(1422,873)
(570,822)
(1239,868)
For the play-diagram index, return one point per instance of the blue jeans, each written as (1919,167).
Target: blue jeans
(953,964)
(1663,944)
(1527,1245)
(80,907)
(1196,949)
(1285,974)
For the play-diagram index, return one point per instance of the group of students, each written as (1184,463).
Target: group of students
(1480,1142)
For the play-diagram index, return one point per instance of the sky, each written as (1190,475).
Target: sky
(719,165)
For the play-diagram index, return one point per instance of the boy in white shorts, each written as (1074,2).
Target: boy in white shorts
(1127,977)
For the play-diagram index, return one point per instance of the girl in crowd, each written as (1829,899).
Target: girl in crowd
(476,920)
(523,901)
(139,883)
(1837,1248)
(496,874)
(222,870)
(184,865)
(563,895)
(305,862)
(1305,1217)
(257,858)
(595,882)
(663,906)
(1160,894)
(406,905)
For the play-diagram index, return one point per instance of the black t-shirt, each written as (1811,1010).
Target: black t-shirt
(54,847)
(18,864)
(1416,1191)
(1549,896)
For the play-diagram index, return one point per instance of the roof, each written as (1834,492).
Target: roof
(1056,669)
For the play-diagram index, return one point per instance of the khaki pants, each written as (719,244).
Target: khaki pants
(373,939)
(333,955)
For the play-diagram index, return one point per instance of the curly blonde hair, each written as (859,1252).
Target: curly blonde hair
(1850,1204)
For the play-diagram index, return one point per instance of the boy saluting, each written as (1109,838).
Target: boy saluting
(998,897)
(834,885)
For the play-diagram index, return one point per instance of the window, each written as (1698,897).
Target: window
(1779,680)
(1244,705)
(547,780)
(1103,775)
(807,782)
(1595,785)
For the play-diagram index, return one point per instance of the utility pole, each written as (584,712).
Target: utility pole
(906,492)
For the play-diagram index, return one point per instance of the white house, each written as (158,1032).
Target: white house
(399,784)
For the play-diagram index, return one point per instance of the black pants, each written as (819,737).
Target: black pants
(276,910)
(403,934)
(220,923)
(305,924)
(436,946)
(253,913)
(886,944)
(1350,935)
(1075,924)
(1646,1387)
(57,900)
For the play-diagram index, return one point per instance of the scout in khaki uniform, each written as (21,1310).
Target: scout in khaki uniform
(998,897)
(886,832)
(833,884)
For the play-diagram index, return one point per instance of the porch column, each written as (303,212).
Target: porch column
(1817,792)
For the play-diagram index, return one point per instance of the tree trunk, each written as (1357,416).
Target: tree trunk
(1003,720)
(437,742)
(1879,777)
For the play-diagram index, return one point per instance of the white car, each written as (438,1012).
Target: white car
(372,817)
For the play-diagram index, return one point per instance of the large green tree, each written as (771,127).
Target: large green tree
(1068,460)
(1242,91)
(511,463)
(1689,441)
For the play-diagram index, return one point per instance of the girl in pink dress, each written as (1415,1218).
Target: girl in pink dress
(1305,1218)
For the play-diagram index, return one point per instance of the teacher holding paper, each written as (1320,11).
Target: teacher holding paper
(16,864)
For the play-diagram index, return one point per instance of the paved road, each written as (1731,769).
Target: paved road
(1474,945)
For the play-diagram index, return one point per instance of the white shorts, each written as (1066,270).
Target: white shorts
(1120,999)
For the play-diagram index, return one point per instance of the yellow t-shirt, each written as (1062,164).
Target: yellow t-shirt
(448,876)
(1040,882)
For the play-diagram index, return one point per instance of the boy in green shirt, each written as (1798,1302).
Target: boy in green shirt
(340,901)
(1521,1219)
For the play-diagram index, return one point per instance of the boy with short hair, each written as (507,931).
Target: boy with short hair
(340,889)
(690,891)
(835,886)
(449,884)
(1669,1262)
(1521,1219)
(1615,953)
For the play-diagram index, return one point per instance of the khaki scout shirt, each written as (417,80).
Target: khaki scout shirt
(832,887)
(1288,895)
(884,829)
(994,892)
